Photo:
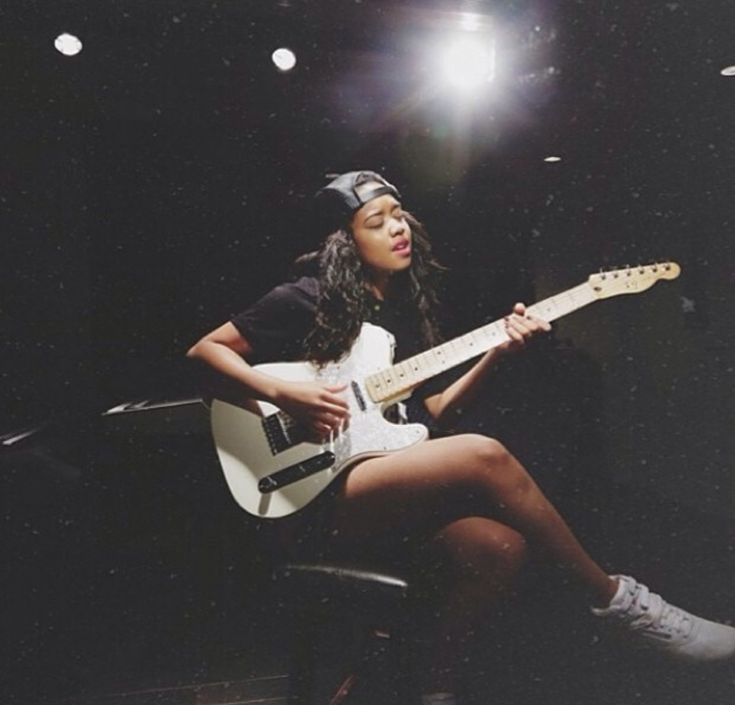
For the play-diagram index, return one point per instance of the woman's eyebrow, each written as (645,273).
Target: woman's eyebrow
(379,211)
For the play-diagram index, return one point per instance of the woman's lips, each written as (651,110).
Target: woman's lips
(402,248)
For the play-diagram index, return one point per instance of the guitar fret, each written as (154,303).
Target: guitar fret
(403,375)
(560,305)
(439,354)
(426,360)
(385,375)
(411,376)
(469,339)
(459,347)
(400,369)
(370,384)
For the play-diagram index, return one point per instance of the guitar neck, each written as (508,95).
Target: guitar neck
(396,380)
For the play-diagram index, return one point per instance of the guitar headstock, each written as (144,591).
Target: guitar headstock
(631,280)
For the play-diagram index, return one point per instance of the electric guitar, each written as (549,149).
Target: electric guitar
(273,469)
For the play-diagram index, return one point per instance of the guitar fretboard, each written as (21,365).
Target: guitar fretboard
(396,380)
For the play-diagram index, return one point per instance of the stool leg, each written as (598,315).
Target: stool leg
(369,650)
(355,662)
(344,689)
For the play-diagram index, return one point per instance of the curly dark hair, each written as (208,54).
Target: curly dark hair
(343,305)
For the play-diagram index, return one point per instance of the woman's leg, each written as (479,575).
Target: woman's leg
(480,559)
(411,493)
(475,507)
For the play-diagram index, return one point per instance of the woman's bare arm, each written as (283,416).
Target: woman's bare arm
(318,406)
(225,350)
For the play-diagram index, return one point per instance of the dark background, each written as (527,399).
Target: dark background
(161,180)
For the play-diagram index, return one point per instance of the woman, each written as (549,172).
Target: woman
(465,495)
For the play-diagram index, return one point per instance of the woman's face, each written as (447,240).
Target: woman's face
(382,236)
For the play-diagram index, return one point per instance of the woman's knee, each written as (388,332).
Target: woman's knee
(514,550)
(484,549)
(489,465)
(506,550)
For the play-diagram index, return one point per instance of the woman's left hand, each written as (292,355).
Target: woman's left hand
(521,327)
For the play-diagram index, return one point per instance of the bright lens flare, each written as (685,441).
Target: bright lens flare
(468,63)
(470,22)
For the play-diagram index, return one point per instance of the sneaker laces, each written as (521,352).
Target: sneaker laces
(643,610)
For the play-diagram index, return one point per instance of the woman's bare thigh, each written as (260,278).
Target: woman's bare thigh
(417,490)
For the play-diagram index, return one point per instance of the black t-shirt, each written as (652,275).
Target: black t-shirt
(277,325)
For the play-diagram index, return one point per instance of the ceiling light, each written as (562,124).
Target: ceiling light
(68,44)
(284,59)
(468,62)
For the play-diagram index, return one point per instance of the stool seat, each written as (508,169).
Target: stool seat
(342,584)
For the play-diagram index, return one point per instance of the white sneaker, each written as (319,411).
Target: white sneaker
(662,626)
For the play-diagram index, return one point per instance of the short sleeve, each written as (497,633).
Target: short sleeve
(277,324)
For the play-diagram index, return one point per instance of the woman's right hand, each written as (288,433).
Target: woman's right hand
(318,407)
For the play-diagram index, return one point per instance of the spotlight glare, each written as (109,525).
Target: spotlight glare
(469,22)
(68,44)
(468,63)
(551,160)
(284,59)
(728,71)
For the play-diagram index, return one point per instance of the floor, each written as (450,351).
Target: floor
(536,656)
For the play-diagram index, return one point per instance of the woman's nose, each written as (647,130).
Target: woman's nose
(397,226)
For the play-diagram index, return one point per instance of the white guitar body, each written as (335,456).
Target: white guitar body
(251,448)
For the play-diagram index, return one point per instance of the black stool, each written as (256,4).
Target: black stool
(377,605)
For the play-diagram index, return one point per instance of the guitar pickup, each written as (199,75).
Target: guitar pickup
(358,395)
(294,473)
(282,432)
